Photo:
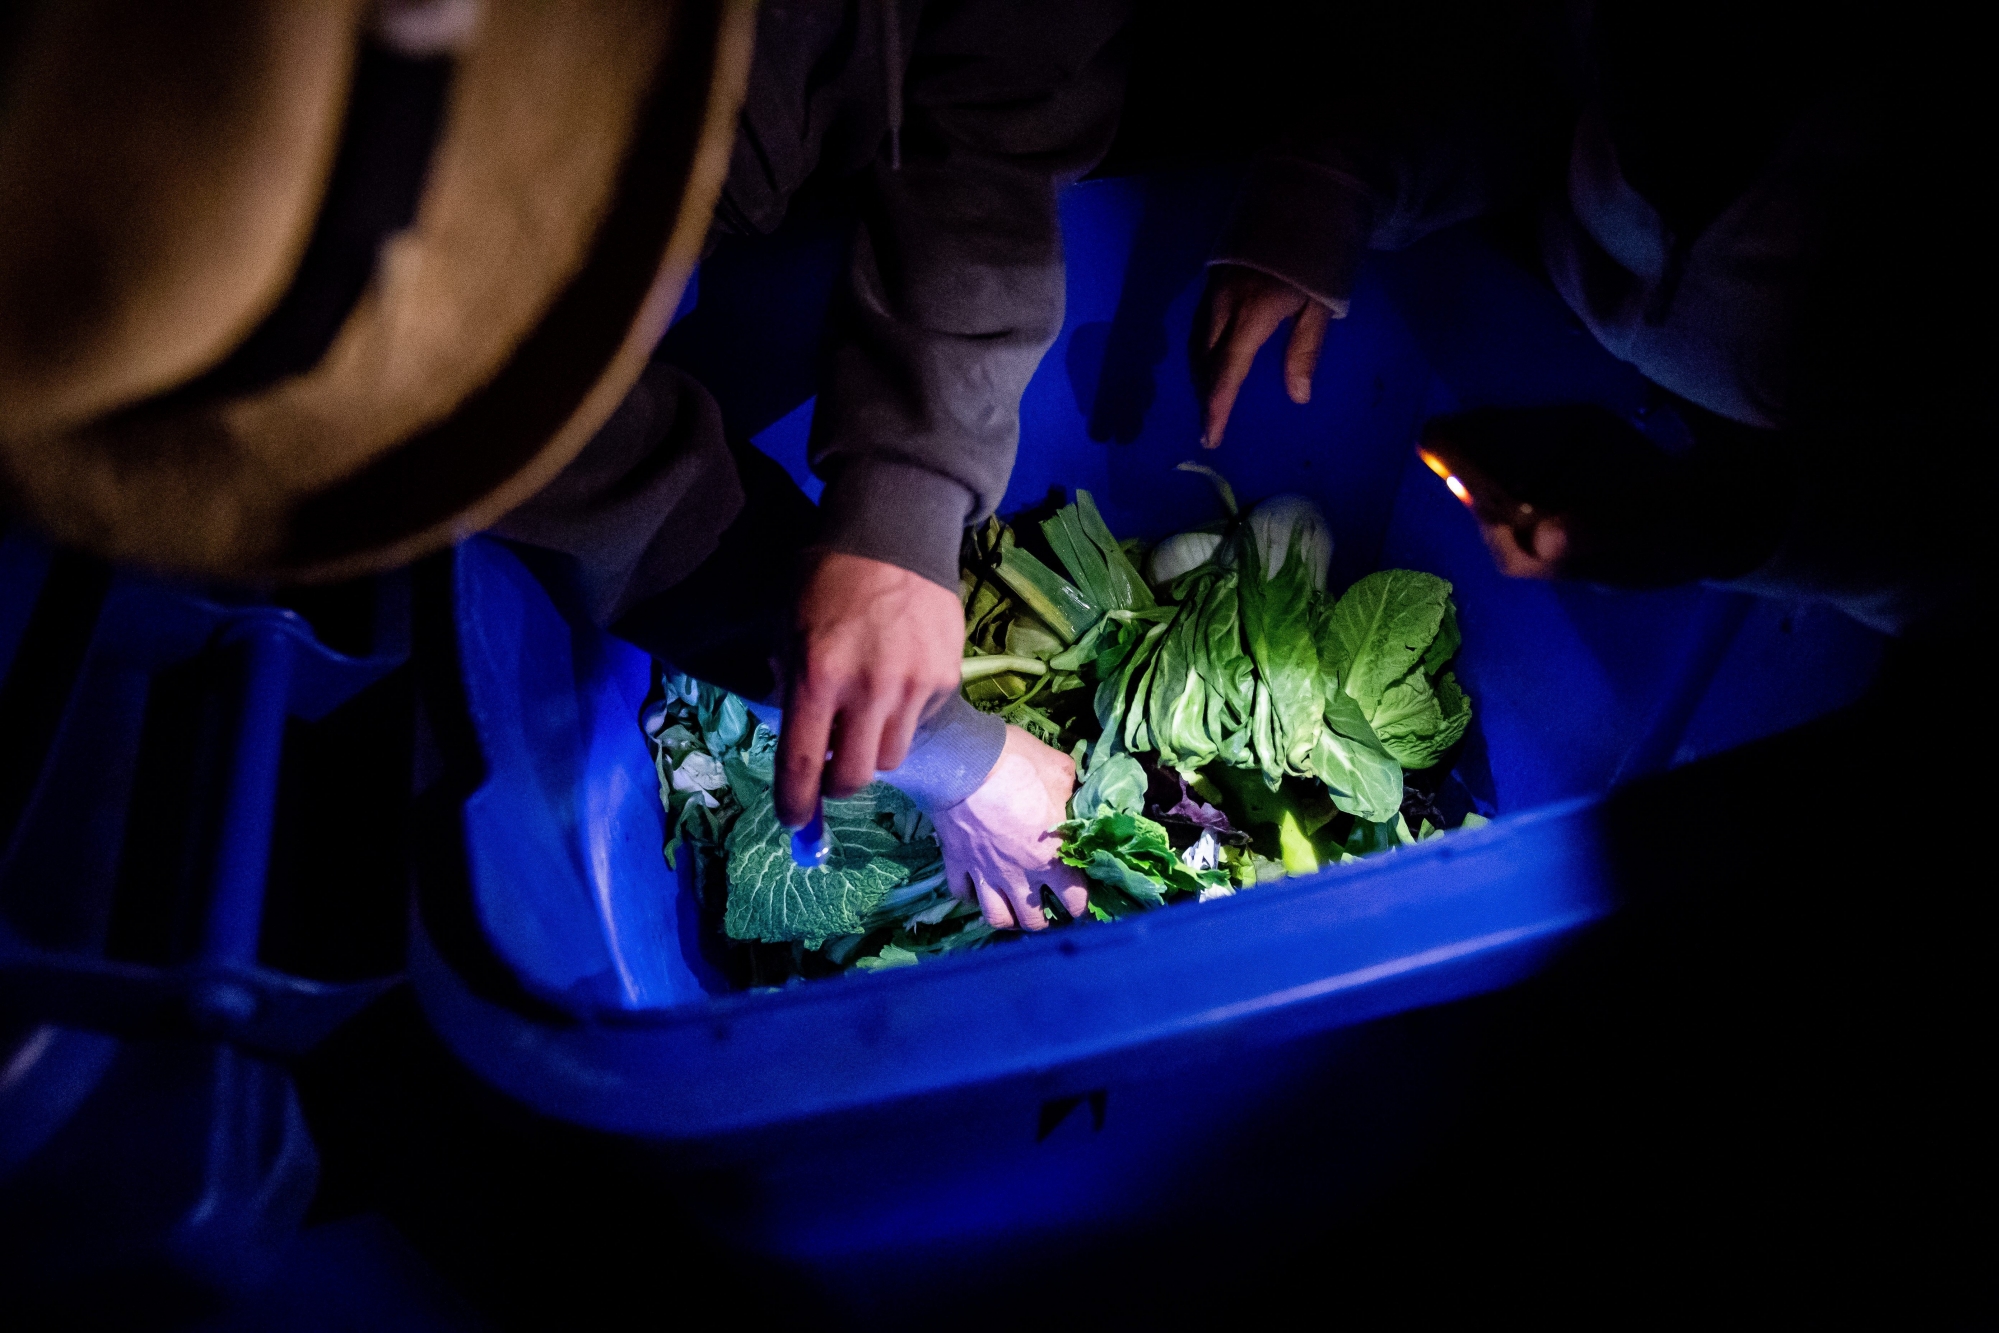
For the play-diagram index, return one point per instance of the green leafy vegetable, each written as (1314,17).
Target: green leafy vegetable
(1290,717)
(1093,557)
(1050,596)
(1364,779)
(978,668)
(1133,856)
(1385,641)
(1277,623)
(1116,785)
(1285,820)
(772,898)
(1380,629)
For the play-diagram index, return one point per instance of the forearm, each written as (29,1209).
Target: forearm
(954,288)
(918,415)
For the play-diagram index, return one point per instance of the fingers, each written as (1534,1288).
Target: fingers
(1301,354)
(897,734)
(1010,898)
(873,645)
(1024,896)
(1070,887)
(993,904)
(801,753)
(856,744)
(1551,542)
(1239,311)
(1245,336)
(1221,308)
(1231,367)
(1535,553)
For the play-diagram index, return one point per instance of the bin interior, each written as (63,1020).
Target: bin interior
(1573,687)
(1228,1069)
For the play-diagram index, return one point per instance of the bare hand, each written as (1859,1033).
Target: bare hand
(1239,311)
(874,648)
(1525,552)
(1000,842)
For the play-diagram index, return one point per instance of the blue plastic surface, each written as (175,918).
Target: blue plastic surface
(1188,1023)
(71,826)
(140,1120)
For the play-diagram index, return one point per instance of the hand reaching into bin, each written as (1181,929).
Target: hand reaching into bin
(1000,843)
(875,649)
(1239,311)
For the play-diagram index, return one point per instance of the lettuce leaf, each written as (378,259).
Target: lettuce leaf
(1131,854)
(1380,629)
(1384,641)
(1115,785)
(1278,615)
(1416,721)
(1363,778)
(1445,646)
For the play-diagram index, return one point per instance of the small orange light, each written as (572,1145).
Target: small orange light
(1437,465)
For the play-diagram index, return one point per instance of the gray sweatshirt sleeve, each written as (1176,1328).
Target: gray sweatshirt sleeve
(952,753)
(954,287)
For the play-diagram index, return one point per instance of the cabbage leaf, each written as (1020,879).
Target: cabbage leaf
(772,898)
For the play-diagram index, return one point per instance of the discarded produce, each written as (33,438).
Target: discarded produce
(1232,724)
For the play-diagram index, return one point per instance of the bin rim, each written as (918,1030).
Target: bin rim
(1425,925)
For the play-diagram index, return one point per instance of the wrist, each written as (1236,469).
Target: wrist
(953,753)
(1302,223)
(898,514)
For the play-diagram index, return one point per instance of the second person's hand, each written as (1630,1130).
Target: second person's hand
(1000,844)
(1239,311)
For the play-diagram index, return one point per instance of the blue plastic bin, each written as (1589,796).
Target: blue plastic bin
(147,1124)
(1195,1062)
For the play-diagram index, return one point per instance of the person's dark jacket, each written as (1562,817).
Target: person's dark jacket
(963,119)
(1723,206)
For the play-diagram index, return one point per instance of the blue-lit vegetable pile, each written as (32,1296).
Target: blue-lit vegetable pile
(1231,724)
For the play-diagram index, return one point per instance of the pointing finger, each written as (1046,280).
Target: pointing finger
(1235,356)
(801,754)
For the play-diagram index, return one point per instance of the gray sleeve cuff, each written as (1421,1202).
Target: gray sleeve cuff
(1303,223)
(898,514)
(952,754)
